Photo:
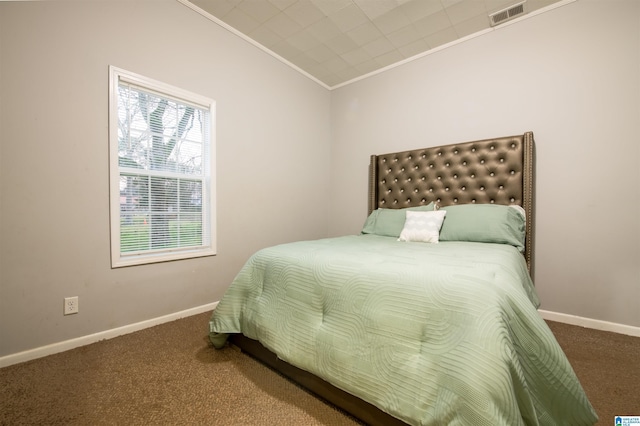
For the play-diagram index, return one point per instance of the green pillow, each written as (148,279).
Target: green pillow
(484,223)
(389,222)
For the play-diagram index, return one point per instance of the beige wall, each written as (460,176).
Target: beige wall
(273,134)
(287,149)
(572,76)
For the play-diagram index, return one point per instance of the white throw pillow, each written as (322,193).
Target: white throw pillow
(422,226)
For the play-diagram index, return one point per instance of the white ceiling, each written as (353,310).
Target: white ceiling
(336,41)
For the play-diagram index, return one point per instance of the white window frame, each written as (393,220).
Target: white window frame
(119,259)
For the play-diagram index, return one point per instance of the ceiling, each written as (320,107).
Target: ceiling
(337,41)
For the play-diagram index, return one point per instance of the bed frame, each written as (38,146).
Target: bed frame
(499,170)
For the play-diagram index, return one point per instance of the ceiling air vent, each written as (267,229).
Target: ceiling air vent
(507,14)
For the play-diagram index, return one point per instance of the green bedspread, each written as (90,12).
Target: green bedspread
(433,334)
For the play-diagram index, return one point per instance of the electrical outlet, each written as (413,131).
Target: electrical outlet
(71,305)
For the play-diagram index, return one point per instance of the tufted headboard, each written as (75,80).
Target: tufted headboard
(499,170)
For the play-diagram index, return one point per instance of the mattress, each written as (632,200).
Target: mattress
(432,334)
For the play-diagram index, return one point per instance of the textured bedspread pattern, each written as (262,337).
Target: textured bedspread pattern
(433,334)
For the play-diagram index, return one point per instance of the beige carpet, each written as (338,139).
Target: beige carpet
(608,366)
(169,375)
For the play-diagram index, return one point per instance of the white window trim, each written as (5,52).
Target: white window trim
(117,259)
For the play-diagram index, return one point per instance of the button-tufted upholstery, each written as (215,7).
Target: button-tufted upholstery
(487,171)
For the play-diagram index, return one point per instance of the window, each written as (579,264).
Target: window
(162,186)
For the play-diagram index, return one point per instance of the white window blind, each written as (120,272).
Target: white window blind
(161,161)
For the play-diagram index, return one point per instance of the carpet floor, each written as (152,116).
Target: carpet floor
(170,375)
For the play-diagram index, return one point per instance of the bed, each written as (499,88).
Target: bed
(429,315)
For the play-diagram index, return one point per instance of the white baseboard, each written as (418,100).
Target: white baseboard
(590,323)
(115,332)
(55,348)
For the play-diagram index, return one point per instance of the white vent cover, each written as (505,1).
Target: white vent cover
(507,14)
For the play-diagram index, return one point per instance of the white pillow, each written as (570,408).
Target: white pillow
(422,226)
